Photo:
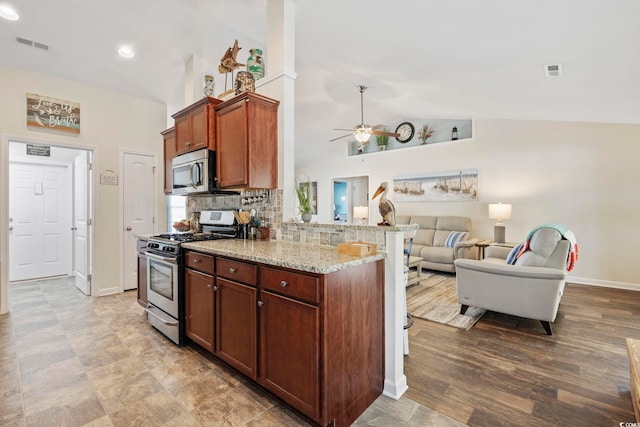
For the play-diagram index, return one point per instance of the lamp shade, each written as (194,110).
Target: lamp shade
(361,212)
(499,211)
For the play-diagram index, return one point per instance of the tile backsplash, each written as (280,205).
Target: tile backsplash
(267,203)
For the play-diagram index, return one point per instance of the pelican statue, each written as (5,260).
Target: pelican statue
(386,208)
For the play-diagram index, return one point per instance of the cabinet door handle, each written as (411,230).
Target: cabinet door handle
(187,143)
(210,286)
(283,283)
(232,270)
(196,260)
(260,303)
(215,288)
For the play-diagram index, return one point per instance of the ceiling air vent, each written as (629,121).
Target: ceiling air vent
(41,46)
(31,43)
(553,70)
(24,41)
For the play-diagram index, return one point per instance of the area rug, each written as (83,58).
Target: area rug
(435,298)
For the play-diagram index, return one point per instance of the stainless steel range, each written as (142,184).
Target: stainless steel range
(165,284)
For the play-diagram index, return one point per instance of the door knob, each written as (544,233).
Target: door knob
(128,228)
(74,228)
(10,227)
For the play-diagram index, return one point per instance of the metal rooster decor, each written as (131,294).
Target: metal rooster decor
(386,208)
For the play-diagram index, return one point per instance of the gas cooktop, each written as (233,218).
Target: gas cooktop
(190,237)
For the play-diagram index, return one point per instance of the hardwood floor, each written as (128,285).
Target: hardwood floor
(506,371)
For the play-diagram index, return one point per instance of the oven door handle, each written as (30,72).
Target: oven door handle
(168,323)
(161,258)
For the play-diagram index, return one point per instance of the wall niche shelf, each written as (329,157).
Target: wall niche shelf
(442,133)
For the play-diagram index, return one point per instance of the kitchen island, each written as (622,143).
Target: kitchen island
(301,320)
(321,259)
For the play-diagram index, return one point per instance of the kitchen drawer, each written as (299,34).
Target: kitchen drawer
(237,270)
(295,285)
(142,245)
(199,261)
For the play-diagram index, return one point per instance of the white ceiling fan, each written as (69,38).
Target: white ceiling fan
(363,132)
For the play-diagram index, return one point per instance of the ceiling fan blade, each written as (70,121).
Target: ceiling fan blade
(379,132)
(340,137)
(347,130)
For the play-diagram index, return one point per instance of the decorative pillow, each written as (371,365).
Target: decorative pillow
(511,258)
(454,237)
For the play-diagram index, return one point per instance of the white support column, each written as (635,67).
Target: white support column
(279,83)
(395,382)
(193,79)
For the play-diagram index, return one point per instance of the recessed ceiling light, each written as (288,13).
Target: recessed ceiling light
(126,52)
(8,13)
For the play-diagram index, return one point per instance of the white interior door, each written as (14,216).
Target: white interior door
(138,186)
(40,221)
(81,224)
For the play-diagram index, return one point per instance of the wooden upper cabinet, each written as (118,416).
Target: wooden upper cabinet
(195,126)
(247,142)
(169,136)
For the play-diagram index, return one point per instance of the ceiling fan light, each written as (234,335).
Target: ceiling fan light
(362,136)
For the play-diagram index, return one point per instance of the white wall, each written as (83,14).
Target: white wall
(584,175)
(110,122)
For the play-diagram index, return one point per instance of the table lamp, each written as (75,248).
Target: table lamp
(499,211)
(361,213)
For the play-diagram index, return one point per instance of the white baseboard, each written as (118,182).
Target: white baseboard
(109,291)
(603,283)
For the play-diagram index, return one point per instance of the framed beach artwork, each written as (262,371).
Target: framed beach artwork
(451,186)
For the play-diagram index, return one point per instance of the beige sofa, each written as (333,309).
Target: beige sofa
(432,234)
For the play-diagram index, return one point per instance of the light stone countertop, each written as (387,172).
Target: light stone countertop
(320,259)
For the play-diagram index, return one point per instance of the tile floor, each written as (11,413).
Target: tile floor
(71,360)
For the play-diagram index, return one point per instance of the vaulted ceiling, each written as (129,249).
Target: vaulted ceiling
(420,58)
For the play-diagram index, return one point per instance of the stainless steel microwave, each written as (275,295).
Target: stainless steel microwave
(194,172)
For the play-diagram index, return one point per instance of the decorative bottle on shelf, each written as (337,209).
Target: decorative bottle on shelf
(244,82)
(194,222)
(209,85)
(255,63)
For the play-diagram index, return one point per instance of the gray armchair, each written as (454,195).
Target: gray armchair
(531,288)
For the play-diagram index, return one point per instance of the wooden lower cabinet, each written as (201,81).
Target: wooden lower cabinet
(142,272)
(314,340)
(142,280)
(236,326)
(199,308)
(289,361)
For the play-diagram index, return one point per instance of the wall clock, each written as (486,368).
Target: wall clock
(406,131)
